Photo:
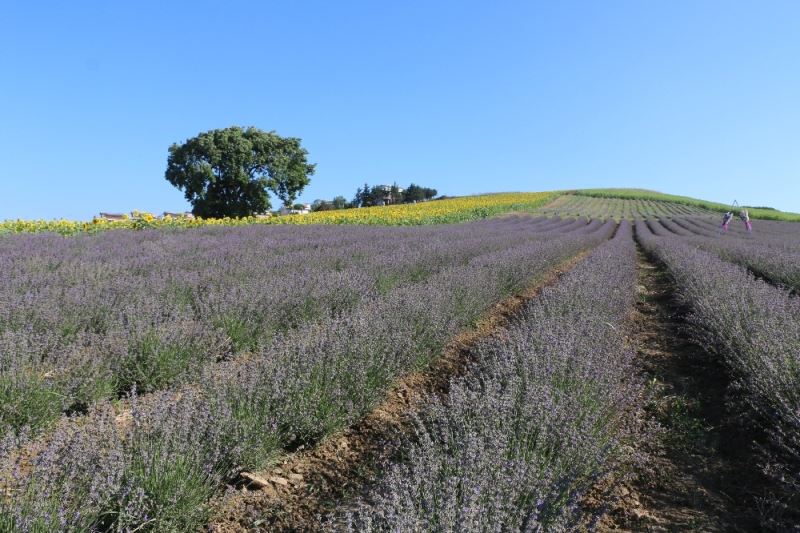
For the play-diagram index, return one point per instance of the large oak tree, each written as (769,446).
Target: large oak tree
(228,172)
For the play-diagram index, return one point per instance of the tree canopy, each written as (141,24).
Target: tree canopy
(415,193)
(381,194)
(228,172)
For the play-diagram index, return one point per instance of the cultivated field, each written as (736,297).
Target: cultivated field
(764,213)
(617,204)
(524,372)
(572,205)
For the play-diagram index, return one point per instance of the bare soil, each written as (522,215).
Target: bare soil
(307,485)
(702,474)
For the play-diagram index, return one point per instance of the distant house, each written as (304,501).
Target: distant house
(185,214)
(291,211)
(114,216)
(387,194)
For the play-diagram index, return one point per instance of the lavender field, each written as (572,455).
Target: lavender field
(334,267)
(142,372)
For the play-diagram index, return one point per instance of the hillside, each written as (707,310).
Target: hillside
(577,205)
(757,212)
(617,204)
(331,377)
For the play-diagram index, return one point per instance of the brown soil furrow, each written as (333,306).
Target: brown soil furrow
(296,494)
(702,474)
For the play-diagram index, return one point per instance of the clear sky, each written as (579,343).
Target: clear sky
(697,97)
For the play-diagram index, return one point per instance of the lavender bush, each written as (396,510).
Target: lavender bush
(769,254)
(694,227)
(543,413)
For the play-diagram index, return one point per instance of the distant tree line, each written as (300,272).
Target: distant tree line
(368,196)
(339,202)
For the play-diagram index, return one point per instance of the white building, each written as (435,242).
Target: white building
(387,193)
(290,211)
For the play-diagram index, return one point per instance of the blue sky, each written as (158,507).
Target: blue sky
(689,97)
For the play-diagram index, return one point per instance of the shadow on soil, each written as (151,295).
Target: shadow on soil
(704,473)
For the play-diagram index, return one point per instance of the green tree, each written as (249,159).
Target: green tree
(322,205)
(415,193)
(362,197)
(228,172)
(429,193)
(395,196)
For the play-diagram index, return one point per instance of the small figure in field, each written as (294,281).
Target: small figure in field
(726,220)
(745,216)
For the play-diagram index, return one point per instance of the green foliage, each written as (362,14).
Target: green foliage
(173,490)
(258,442)
(415,193)
(28,400)
(381,194)
(339,202)
(243,331)
(227,172)
(153,364)
(686,429)
(44,517)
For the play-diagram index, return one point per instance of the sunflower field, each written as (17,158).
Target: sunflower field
(443,211)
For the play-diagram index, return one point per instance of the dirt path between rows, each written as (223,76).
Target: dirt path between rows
(297,494)
(702,475)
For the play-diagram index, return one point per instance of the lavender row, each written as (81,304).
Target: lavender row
(87,318)
(782,233)
(767,255)
(754,327)
(788,230)
(158,469)
(543,413)
(771,262)
(691,226)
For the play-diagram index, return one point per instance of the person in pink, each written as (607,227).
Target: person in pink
(726,220)
(745,216)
